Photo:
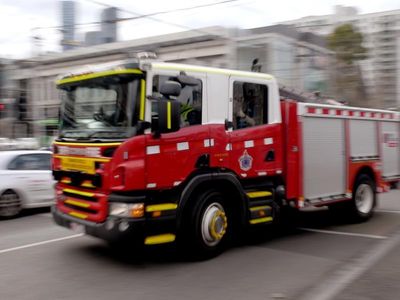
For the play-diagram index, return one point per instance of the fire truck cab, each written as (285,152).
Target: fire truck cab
(159,152)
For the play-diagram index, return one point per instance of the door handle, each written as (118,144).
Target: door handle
(270,155)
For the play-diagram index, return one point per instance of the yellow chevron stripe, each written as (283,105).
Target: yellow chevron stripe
(78,215)
(261,220)
(158,207)
(76,203)
(87,144)
(97,75)
(159,239)
(86,194)
(258,194)
(259,207)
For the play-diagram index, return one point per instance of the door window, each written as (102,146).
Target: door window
(31,162)
(190,98)
(250,104)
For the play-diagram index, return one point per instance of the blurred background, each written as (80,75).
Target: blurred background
(322,51)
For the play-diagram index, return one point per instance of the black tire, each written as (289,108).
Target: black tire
(364,199)
(206,228)
(10,204)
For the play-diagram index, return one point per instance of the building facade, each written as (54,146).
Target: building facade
(300,61)
(380,31)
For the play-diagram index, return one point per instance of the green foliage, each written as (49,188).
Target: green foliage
(347,43)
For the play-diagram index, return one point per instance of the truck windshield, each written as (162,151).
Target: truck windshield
(106,108)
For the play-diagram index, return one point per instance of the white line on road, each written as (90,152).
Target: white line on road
(335,283)
(388,211)
(47,215)
(371,236)
(41,243)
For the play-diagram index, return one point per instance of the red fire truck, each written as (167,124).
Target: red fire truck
(159,152)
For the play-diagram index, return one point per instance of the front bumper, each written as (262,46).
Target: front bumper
(115,229)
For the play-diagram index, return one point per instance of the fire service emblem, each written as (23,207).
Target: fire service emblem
(245,161)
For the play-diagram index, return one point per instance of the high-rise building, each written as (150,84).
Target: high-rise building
(380,30)
(108,29)
(68,25)
(109,25)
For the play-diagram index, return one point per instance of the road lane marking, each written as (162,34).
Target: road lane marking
(41,243)
(388,211)
(337,281)
(47,215)
(371,236)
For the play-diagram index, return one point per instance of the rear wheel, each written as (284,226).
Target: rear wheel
(10,204)
(361,207)
(207,226)
(364,198)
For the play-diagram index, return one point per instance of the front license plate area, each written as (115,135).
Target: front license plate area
(78,164)
(78,228)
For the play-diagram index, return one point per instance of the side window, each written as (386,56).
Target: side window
(250,104)
(31,162)
(44,161)
(190,97)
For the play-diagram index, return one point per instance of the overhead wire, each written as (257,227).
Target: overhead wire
(151,17)
(141,16)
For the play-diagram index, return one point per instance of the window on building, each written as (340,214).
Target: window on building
(190,98)
(250,104)
(52,89)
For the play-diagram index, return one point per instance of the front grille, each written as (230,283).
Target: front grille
(78,179)
(85,205)
(87,198)
(82,209)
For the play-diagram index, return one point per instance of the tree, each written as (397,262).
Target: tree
(346,42)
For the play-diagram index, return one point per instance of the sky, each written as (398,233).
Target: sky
(23,20)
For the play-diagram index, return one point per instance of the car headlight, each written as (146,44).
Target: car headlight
(135,210)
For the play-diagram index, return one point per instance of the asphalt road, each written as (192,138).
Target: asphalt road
(320,258)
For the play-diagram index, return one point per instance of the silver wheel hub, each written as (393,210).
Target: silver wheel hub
(213,224)
(9,204)
(364,198)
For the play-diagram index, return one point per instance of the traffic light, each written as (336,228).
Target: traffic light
(3,112)
(21,108)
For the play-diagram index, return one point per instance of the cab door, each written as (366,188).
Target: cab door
(171,157)
(254,140)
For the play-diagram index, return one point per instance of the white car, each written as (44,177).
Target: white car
(25,181)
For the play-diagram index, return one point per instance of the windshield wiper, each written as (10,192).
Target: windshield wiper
(73,134)
(109,134)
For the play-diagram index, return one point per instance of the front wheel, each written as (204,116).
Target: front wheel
(206,227)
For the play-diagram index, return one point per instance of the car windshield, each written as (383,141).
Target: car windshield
(105,108)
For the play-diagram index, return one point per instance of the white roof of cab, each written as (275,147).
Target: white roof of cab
(164,66)
(202,69)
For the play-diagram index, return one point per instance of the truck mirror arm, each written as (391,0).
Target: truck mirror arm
(228,124)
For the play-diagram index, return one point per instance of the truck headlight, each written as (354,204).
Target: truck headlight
(135,210)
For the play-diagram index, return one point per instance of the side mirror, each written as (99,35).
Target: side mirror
(142,126)
(166,116)
(170,88)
